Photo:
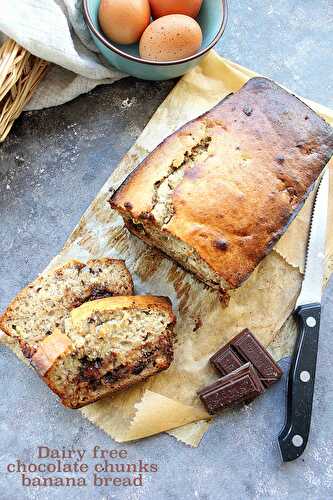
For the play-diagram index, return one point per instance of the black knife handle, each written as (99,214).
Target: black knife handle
(294,436)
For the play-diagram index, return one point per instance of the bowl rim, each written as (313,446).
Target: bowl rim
(140,60)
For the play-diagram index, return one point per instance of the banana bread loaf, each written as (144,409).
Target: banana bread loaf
(218,193)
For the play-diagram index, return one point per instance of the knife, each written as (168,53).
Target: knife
(294,436)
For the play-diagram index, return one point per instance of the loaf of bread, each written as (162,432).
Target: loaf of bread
(86,347)
(217,194)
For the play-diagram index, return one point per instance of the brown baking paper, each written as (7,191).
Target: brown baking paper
(168,401)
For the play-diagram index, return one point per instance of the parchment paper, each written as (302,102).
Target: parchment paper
(168,401)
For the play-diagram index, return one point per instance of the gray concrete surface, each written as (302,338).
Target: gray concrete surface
(51,167)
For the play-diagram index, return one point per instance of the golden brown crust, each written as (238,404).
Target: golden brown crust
(266,150)
(120,303)
(49,350)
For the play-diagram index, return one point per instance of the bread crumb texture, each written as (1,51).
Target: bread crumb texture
(85,332)
(46,302)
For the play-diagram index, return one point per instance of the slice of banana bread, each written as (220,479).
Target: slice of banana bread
(217,194)
(105,346)
(45,303)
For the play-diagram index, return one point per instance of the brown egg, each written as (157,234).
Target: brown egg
(161,8)
(124,21)
(170,38)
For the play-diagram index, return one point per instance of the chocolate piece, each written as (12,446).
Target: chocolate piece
(227,361)
(243,348)
(240,386)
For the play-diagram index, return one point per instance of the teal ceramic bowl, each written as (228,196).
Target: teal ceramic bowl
(212,19)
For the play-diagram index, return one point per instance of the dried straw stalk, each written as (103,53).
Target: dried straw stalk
(20,73)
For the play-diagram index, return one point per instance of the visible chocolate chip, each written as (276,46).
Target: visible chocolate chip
(120,371)
(38,289)
(237,148)
(109,378)
(28,351)
(90,373)
(139,227)
(86,362)
(247,110)
(94,384)
(114,375)
(48,332)
(90,368)
(97,362)
(220,244)
(306,117)
(128,205)
(138,368)
(147,354)
(280,158)
(99,293)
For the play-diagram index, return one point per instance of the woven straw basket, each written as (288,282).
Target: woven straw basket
(20,73)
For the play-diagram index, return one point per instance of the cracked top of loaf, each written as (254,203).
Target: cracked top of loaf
(225,187)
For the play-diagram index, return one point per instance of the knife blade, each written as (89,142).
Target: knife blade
(294,436)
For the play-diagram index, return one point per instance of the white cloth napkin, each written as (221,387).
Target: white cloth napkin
(55,30)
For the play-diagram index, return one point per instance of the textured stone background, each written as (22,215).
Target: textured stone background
(51,167)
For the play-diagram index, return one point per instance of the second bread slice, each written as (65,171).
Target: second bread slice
(107,345)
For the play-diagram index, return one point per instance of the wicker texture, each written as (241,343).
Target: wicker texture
(20,73)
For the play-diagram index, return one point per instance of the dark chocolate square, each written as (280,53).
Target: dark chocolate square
(252,350)
(227,361)
(246,348)
(240,386)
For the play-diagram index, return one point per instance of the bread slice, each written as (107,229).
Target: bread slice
(105,346)
(217,194)
(43,306)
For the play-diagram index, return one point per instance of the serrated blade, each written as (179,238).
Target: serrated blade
(315,259)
